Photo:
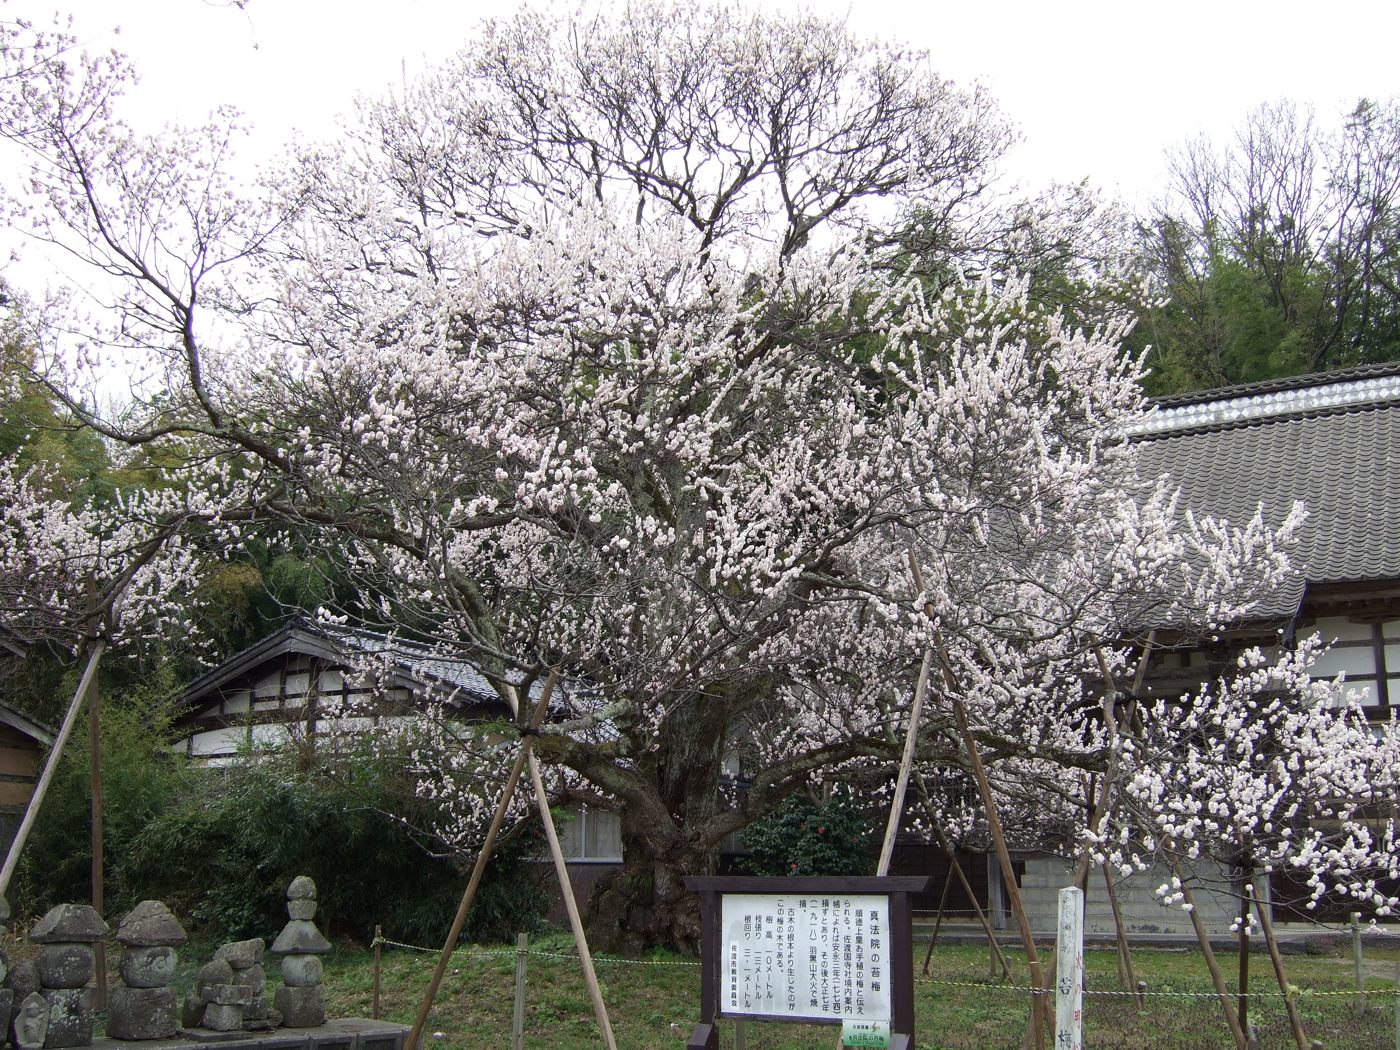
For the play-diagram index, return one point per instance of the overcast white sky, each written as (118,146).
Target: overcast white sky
(1098,88)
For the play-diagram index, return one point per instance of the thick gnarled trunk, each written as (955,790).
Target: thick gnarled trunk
(667,825)
(645,903)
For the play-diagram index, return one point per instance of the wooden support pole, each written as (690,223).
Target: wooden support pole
(517,1017)
(31,812)
(1227,1005)
(95,837)
(901,783)
(938,923)
(378,967)
(566,890)
(459,920)
(1125,955)
(1008,872)
(997,955)
(1295,1020)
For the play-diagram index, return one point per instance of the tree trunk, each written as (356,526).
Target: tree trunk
(645,903)
(667,820)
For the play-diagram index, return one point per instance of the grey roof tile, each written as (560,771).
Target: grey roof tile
(1340,458)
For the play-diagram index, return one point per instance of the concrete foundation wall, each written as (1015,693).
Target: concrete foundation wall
(1142,912)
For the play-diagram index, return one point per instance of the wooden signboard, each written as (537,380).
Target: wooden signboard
(815,950)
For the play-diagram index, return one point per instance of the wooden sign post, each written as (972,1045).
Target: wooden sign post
(1069,965)
(815,950)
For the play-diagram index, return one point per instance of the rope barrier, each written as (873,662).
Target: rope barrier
(1299,993)
(511,953)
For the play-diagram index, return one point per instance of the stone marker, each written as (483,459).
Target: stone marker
(23,980)
(66,936)
(70,1017)
(149,925)
(301,999)
(230,991)
(144,1005)
(32,1024)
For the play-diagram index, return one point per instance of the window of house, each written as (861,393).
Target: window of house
(591,835)
(1367,653)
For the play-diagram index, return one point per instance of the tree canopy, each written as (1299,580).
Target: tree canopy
(607,350)
(1277,253)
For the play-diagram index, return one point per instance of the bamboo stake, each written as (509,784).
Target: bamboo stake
(942,902)
(416,1033)
(1227,1006)
(1008,870)
(95,836)
(906,763)
(566,889)
(1295,1020)
(31,812)
(998,956)
(1125,955)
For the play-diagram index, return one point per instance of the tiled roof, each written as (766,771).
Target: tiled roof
(412,664)
(1331,441)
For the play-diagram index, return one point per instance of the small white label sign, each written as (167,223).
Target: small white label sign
(866,1034)
(823,956)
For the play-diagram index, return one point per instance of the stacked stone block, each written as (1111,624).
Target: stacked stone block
(301,1000)
(7,995)
(143,1005)
(66,936)
(229,991)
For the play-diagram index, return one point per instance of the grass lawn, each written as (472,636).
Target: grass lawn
(654,1003)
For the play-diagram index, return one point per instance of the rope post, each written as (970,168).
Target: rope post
(1359,961)
(1069,985)
(517,1017)
(378,962)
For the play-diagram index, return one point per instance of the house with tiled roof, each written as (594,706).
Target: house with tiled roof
(1331,441)
(288,687)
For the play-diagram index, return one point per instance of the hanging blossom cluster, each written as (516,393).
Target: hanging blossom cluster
(1263,771)
(125,567)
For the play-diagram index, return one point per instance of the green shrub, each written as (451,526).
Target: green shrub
(141,779)
(227,852)
(807,837)
(220,845)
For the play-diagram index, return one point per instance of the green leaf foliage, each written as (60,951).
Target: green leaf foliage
(807,837)
(220,845)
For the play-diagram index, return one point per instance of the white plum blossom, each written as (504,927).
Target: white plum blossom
(613,348)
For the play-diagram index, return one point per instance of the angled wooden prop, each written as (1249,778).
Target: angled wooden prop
(536,719)
(99,646)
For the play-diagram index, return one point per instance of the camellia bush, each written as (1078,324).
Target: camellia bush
(806,837)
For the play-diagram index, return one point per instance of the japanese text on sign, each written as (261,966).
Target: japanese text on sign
(810,956)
